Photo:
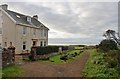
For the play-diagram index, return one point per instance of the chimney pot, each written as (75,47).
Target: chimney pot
(4,6)
(35,16)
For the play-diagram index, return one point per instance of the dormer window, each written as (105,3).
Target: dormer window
(28,18)
(17,16)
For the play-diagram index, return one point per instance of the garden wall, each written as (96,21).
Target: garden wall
(8,56)
(38,52)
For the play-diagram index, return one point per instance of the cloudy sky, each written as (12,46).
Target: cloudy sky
(72,22)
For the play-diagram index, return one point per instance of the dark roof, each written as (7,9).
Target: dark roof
(20,18)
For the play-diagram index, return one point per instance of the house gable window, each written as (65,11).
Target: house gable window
(45,34)
(24,30)
(41,33)
(44,43)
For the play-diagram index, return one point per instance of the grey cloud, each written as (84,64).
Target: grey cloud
(100,16)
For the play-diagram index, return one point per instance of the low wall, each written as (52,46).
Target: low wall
(8,56)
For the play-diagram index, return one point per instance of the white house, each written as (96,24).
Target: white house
(22,31)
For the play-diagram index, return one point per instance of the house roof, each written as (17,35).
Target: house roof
(20,18)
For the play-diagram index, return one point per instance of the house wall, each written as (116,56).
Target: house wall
(13,32)
(42,37)
(119,19)
(20,37)
(8,31)
(1,26)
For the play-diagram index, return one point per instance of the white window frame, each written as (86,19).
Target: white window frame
(34,31)
(28,18)
(24,43)
(45,33)
(0,30)
(41,33)
(24,30)
(41,42)
(44,43)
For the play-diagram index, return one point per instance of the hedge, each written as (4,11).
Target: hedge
(49,49)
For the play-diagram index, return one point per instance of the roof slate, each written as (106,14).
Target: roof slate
(20,18)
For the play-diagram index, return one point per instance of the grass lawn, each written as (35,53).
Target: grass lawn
(11,71)
(0,72)
(96,67)
(119,47)
(56,58)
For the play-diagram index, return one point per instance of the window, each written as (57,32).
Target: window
(24,45)
(41,33)
(24,30)
(29,19)
(17,16)
(34,43)
(34,31)
(41,43)
(44,43)
(0,30)
(10,43)
(44,33)
(5,44)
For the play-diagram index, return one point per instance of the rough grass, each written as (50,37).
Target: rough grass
(119,47)
(56,58)
(96,67)
(11,71)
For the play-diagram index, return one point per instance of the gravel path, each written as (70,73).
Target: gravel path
(43,69)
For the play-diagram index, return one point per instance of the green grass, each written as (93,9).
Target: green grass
(96,66)
(56,58)
(73,51)
(11,71)
(119,47)
(0,72)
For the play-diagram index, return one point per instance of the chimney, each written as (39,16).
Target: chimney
(4,6)
(36,17)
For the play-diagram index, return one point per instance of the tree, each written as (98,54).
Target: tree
(107,45)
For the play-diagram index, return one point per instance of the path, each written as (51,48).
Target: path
(43,69)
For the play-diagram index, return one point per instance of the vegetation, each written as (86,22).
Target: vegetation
(11,71)
(105,62)
(97,66)
(49,49)
(107,45)
(56,59)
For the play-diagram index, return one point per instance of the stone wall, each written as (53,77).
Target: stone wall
(8,56)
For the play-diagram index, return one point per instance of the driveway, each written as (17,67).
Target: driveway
(44,69)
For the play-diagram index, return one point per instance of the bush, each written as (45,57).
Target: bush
(49,49)
(107,45)
(31,58)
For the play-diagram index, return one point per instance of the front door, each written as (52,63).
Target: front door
(34,43)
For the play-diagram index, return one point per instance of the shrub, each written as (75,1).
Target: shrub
(49,49)
(64,57)
(31,58)
(107,45)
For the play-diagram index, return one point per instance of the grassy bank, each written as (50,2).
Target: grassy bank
(96,66)
(11,71)
(56,59)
